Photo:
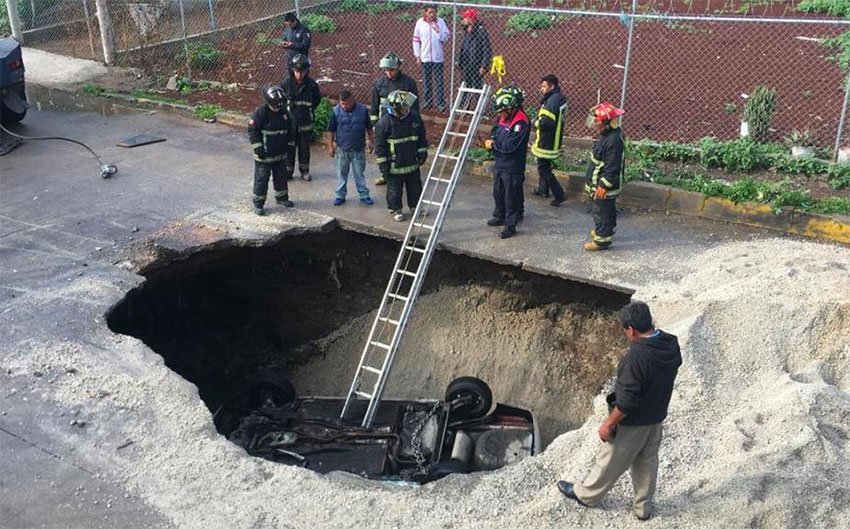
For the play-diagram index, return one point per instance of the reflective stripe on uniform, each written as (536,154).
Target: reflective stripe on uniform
(396,141)
(305,128)
(597,238)
(270,159)
(381,160)
(403,170)
(422,149)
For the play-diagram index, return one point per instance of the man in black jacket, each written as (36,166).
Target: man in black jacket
(392,79)
(638,406)
(296,38)
(304,97)
(475,52)
(604,178)
(549,127)
(270,131)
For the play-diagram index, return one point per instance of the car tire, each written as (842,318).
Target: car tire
(478,390)
(271,386)
(497,448)
(8,117)
(442,469)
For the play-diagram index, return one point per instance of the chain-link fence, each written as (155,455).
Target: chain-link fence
(683,69)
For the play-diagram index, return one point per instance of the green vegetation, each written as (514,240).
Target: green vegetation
(94,90)
(318,23)
(263,38)
(730,108)
(370,7)
(207,112)
(838,8)
(519,3)
(758,111)
(528,22)
(321,117)
(479,154)
(159,98)
(404,17)
(202,55)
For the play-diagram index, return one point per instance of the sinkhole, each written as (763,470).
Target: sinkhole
(252,327)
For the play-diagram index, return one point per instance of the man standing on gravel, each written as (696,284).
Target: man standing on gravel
(632,432)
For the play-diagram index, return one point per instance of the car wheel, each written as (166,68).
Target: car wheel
(270,388)
(442,469)
(8,116)
(477,396)
(497,448)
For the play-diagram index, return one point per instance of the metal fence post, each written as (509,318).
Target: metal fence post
(454,47)
(628,56)
(89,28)
(298,9)
(185,40)
(15,20)
(106,37)
(843,117)
(212,14)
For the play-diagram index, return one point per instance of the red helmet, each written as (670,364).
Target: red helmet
(604,112)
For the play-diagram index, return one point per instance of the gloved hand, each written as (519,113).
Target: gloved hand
(260,151)
(422,157)
(601,193)
(385,169)
(488,144)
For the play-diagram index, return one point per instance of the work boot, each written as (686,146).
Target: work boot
(496,221)
(258,210)
(593,246)
(306,177)
(379,181)
(507,231)
(557,201)
(397,216)
(285,202)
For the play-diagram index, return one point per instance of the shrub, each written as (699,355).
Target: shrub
(318,23)
(202,55)
(758,111)
(528,22)
(352,5)
(832,205)
(838,176)
(802,138)
(839,8)
(204,111)
(321,117)
(404,17)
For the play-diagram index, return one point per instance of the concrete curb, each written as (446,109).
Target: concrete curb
(655,197)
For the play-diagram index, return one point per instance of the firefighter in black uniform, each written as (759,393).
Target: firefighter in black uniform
(304,97)
(270,131)
(296,38)
(604,178)
(400,148)
(549,127)
(509,143)
(392,80)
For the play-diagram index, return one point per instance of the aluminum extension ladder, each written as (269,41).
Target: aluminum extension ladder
(416,252)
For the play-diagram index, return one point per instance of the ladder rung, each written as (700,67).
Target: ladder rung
(382,345)
(457,134)
(372,370)
(415,248)
(472,90)
(449,156)
(388,320)
(396,296)
(438,204)
(405,272)
(362,394)
(444,180)
(423,225)
(461,111)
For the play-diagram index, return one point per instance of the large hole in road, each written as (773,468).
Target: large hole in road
(305,305)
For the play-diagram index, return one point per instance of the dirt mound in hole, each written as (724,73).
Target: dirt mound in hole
(551,359)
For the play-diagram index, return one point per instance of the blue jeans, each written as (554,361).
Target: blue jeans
(355,161)
(432,74)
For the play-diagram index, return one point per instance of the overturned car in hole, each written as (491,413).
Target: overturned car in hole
(410,440)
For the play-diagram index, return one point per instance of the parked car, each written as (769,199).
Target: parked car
(410,440)
(13,96)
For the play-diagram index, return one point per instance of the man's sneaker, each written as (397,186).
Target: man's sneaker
(507,231)
(557,201)
(285,203)
(339,201)
(306,177)
(367,200)
(258,210)
(495,221)
(398,216)
(380,181)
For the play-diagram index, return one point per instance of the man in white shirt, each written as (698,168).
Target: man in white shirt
(429,36)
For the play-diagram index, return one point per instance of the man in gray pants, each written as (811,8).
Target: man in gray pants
(632,432)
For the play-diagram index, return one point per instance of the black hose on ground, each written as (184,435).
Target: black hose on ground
(106,170)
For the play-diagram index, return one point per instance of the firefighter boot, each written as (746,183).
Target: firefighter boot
(380,181)
(593,246)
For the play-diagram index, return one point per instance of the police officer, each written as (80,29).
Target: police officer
(509,143)
(549,128)
(400,148)
(604,176)
(304,96)
(391,80)
(270,130)
(296,38)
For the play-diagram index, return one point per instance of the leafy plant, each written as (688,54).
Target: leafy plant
(838,176)
(801,138)
(202,55)
(318,23)
(352,5)
(204,111)
(737,155)
(832,205)
(730,108)
(479,154)
(404,17)
(758,111)
(93,90)
(519,3)
(321,117)
(528,22)
(839,8)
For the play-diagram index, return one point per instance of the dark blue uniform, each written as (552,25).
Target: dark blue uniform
(605,169)
(271,133)
(510,146)
(400,148)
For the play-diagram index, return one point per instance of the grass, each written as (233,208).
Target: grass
(159,98)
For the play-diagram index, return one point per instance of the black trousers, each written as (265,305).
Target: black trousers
(397,183)
(547,181)
(473,79)
(278,172)
(508,197)
(605,220)
(302,149)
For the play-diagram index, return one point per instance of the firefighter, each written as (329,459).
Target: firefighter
(304,96)
(393,79)
(400,148)
(549,128)
(270,131)
(604,177)
(509,144)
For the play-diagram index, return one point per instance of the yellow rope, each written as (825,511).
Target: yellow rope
(497,67)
